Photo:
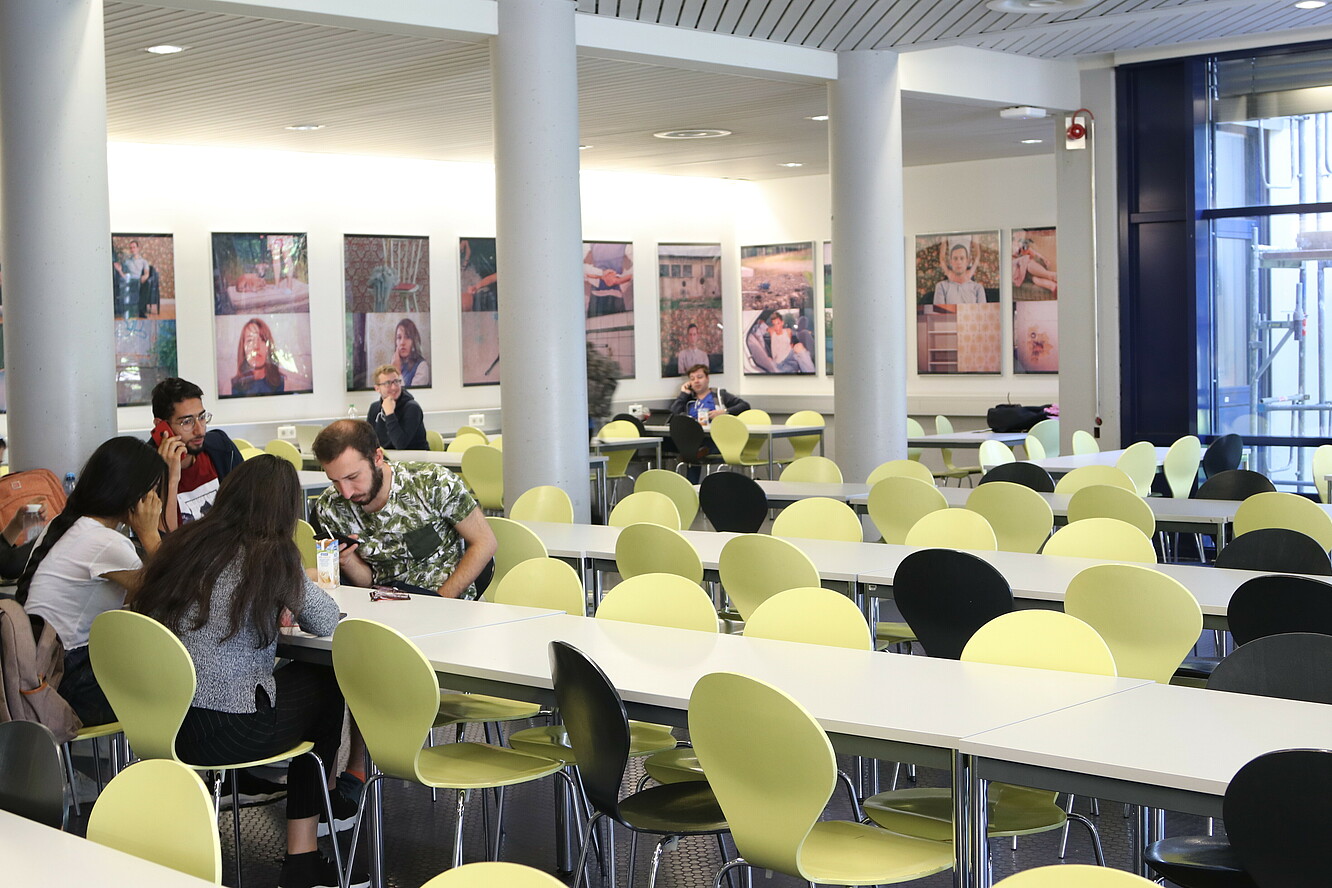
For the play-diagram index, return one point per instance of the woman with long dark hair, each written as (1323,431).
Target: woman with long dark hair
(407,356)
(224,584)
(82,565)
(257,370)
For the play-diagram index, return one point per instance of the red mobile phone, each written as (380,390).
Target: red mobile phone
(160,431)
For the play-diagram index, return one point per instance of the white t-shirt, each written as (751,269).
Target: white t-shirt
(68,590)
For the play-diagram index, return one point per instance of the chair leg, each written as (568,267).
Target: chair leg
(69,774)
(373,779)
(1095,837)
(343,875)
(633,855)
(588,831)
(499,821)
(851,793)
(656,859)
(458,829)
(235,824)
(726,868)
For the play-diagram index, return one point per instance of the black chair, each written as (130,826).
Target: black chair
(1277,816)
(690,440)
(598,727)
(1024,473)
(1277,604)
(946,595)
(1234,484)
(1222,455)
(733,502)
(32,782)
(1276,549)
(638,423)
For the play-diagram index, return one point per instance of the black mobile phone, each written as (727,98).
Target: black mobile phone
(345,540)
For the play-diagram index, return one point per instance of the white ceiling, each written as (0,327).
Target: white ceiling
(243,79)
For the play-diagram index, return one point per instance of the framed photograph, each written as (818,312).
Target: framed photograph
(263,355)
(777,308)
(387,285)
(827,309)
(260,274)
(1035,300)
(958,322)
(143,276)
(479,306)
(689,297)
(608,299)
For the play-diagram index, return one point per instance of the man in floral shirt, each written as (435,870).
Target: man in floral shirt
(409,520)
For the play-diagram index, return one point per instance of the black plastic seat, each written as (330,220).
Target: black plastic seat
(1024,473)
(598,728)
(1223,455)
(1276,549)
(1234,484)
(1277,604)
(689,439)
(31,782)
(946,595)
(1277,816)
(733,502)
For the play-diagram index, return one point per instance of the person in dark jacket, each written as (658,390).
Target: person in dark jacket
(398,420)
(197,458)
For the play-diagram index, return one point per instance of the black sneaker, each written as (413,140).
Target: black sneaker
(344,813)
(313,870)
(252,790)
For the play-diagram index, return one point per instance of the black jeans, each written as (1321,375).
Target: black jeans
(81,691)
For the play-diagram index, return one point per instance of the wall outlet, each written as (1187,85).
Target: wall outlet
(476,420)
(286,432)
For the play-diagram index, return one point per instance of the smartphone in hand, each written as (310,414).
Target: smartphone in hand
(161,431)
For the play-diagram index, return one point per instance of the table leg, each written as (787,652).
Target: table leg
(962,814)
(659,453)
(376,812)
(603,496)
(770,462)
(821,453)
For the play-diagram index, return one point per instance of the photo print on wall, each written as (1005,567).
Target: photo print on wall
(143,277)
(777,308)
(608,298)
(958,323)
(1035,300)
(261,314)
(386,280)
(689,295)
(479,306)
(827,309)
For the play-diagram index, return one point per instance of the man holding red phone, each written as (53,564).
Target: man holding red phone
(198,458)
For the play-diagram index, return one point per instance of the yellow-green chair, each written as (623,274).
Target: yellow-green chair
(1322,467)
(305,541)
(1074,875)
(896,504)
(648,507)
(1149,621)
(1086,476)
(1020,517)
(1035,449)
(1275,509)
(995,453)
(754,416)
(915,430)
(1108,539)
(819,518)
(811,615)
(817,469)
(517,543)
(493,874)
(617,461)
(754,567)
(1138,461)
(285,450)
(1084,444)
(944,426)
(545,502)
(651,548)
(804,445)
(953,529)
(731,436)
(250,452)
(677,487)
(435,441)
(242,443)
(543,582)
(471,430)
(773,770)
(497,442)
(159,810)
(900,468)
(1107,501)
(660,599)
(1181,465)
(462,443)
(1036,639)
(483,470)
(1047,432)
(396,718)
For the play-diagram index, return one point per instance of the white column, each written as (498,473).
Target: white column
(869,264)
(540,250)
(56,228)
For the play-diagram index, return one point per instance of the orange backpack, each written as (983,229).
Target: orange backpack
(17,489)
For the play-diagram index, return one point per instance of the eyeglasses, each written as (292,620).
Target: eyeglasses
(187,422)
(389,383)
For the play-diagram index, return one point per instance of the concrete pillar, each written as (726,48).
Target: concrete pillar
(869,261)
(540,250)
(56,227)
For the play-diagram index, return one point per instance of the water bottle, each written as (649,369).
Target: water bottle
(326,564)
(70,480)
(352,412)
(32,522)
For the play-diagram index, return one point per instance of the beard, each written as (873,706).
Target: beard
(376,485)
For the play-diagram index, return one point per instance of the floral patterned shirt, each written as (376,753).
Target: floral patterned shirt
(413,539)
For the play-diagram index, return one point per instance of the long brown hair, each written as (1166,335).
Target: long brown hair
(272,372)
(252,521)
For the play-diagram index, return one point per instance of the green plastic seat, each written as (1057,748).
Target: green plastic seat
(285,450)
(731,436)
(159,810)
(1084,443)
(1020,517)
(895,468)
(819,518)
(817,469)
(811,615)
(243,444)
(1181,466)
(754,567)
(1047,433)
(1286,510)
(1108,501)
(645,507)
(1322,467)
(1106,538)
(543,582)
(248,453)
(494,874)
(897,503)
(915,430)
(804,445)
(677,487)
(953,529)
(1035,449)
(471,430)
(483,470)
(1086,476)
(617,461)
(651,548)
(305,541)
(944,426)
(435,441)
(753,449)
(396,718)
(463,442)
(545,502)
(517,543)
(1138,461)
(772,769)
(995,453)
(1074,875)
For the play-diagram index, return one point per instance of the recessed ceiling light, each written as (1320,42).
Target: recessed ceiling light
(790,165)
(1036,7)
(164,49)
(584,147)
(819,117)
(692,134)
(1310,4)
(1032,141)
(305,127)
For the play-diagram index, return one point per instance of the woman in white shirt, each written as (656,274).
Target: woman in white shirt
(83,565)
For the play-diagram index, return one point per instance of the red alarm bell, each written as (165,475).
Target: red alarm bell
(1076,130)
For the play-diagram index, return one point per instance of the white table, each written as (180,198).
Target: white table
(1062,465)
(312,484)
(595,462)
(34,854)
(967,439)
(764,431)
(606,445)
